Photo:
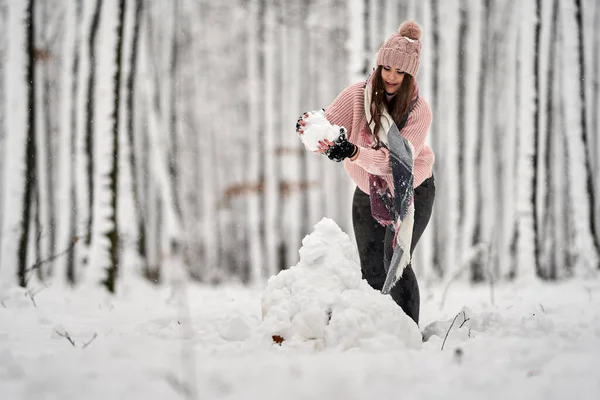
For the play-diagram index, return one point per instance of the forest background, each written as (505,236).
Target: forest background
(137,132)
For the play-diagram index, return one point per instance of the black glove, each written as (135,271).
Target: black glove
(342,148)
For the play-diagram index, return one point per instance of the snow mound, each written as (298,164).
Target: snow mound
(322,302)
(318,128)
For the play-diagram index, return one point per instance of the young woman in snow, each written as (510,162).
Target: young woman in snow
(384,125)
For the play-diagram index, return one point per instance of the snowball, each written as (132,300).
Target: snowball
(318,128)
(324,300)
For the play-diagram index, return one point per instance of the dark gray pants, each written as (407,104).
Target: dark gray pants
(375,246)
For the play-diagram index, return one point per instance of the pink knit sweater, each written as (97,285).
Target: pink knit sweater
(348,110)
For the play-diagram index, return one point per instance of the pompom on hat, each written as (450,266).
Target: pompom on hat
(402,49)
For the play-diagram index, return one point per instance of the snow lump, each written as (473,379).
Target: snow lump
(322,302)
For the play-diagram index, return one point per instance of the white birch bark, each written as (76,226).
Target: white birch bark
(271,174)
(355,40)
(3,106)
(505,135)
(209,201)
(448,194)
(131,259)
(103,144)
(289,42)
(16,122)
(424,253)
(579,203)
(595,96)
(472,136)
(253,214)
(526,92)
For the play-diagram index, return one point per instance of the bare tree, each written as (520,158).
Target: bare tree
(30,152)
(73,150)
(137,175)
(90,115)
(113,233)
(591,195)
(3,99)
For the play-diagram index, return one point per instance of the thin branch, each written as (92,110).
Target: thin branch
(86,344)
(448,332)
(542,307)
(66,336)
(39,263)
(465,320)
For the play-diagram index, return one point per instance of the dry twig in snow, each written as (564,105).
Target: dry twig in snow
(448,332)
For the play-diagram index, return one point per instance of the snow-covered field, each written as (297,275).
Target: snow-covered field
(537,341)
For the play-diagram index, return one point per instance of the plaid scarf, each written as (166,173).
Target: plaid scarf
(394,208)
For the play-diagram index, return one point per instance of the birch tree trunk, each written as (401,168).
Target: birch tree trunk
(30,150)
(253,210)
(595,96)
(270,173)
(89,128)
(448,137)
(581,189)
(75,77)
(547,246)
(3,107)
(113,234)
(524,230)
(132,131)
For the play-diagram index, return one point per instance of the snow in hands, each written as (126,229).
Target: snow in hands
(318,128)
(322,302)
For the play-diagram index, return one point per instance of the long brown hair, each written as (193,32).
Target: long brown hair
(397,107)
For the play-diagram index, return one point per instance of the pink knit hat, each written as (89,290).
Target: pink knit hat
(402,49)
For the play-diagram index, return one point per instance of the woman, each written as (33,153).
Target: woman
(366,111)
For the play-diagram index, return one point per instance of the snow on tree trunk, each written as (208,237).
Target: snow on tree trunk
(49,100)
(547,143)
(90,127)
(73,149)
(252,216)
(288,152)
(16,106)
(580,190)
(469,44)
(425,252)
(595,96)
(355,41)
(338,189)
(527,75)
(271,174)
(133,212)
(99,139)
(447,189)
(30,182)
(435,132)
(504,137)
(112,267)
(3,106)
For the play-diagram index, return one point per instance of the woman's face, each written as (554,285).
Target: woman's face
(392,78)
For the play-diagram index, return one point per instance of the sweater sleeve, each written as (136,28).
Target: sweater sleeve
(417,126)
(375,162)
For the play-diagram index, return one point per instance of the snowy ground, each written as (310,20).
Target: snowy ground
(538,341)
